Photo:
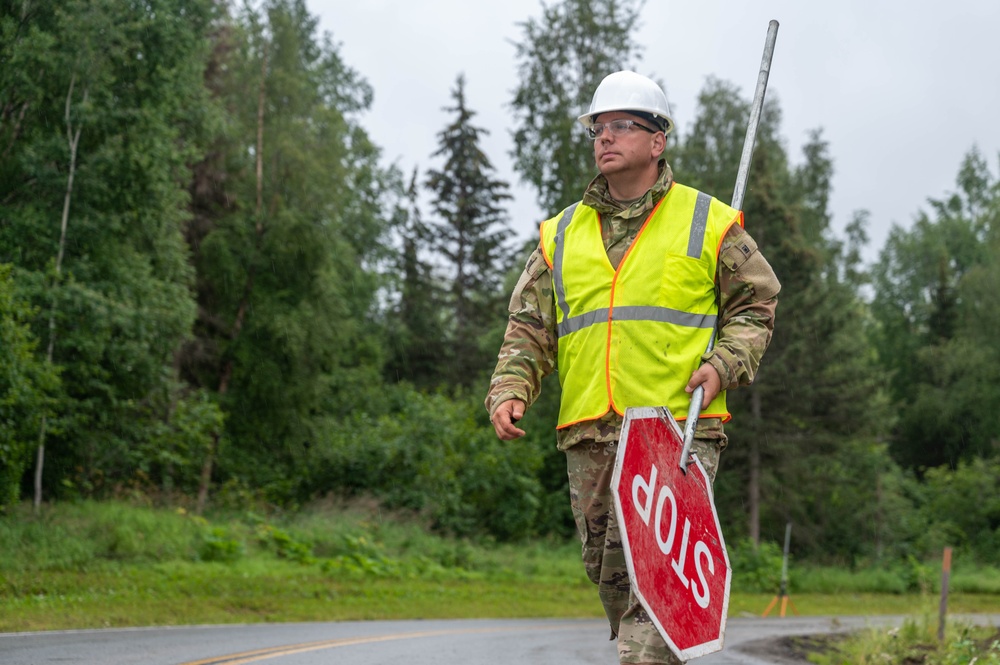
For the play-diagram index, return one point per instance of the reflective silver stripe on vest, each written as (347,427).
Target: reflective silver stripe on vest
(638,313)
(557,260)
(699,221)
(664,315)
(580,322)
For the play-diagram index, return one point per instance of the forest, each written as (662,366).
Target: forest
(214,292)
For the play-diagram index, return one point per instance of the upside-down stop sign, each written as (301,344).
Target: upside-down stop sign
(677,559)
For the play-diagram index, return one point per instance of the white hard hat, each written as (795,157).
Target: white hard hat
(632,93)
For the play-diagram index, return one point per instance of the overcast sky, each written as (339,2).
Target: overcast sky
(901,89)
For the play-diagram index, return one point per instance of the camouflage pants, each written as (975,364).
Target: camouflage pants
(590,465)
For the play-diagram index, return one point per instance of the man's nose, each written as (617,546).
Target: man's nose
(605,134)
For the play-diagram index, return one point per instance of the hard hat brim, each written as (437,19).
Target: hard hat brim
(654,115)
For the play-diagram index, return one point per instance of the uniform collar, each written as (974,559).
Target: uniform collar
(598,195)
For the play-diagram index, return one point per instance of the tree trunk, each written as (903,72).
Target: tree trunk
(241,311)
(879,518)
(73,140)
(753,486)
(16,129)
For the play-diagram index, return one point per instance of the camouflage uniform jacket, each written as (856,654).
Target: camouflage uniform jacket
(748,290)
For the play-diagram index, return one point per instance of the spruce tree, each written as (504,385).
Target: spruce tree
(416,322)
(471,230)
(818,389)
(935,295)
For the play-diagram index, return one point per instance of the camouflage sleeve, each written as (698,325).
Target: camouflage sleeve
(528,352)
(748,297)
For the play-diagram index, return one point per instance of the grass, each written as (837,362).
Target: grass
(92,565)
(254,591)
(900,578)
(913,643)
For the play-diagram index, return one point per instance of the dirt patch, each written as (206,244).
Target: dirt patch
(794,650)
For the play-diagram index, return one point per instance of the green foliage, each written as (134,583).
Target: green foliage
(432,454)
(562,57)
(85,563)
(218,545)
(935,296)
(367,565)
(110,105)
(25,385)
(975,579)
(755,568)
(83,535)
(180,426)
(962,507)
(288,224)
(968,649)
(470,233)
(417,316)
(915,642)
(284,545)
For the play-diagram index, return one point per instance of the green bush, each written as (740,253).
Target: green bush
(25,385)
(963,507)
(285,545)
(218,545)
(436,456)
(756,569)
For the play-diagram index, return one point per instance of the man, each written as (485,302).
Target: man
(623,294)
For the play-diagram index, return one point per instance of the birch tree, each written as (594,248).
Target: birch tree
(94,194)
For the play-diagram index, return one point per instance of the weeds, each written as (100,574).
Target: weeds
(96,564)
(913,643)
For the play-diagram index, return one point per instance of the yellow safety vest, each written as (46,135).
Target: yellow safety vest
(633,336)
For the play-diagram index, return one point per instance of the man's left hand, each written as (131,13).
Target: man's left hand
(707,377)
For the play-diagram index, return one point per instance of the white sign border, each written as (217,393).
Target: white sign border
(705,648)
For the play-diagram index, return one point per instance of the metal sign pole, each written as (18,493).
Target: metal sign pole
(741,185)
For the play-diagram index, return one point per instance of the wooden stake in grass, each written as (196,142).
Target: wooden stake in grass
(945,575)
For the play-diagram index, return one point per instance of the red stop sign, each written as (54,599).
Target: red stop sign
(677,560)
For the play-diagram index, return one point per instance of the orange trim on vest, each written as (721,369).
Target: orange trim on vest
(726,417)
(611,309)
(611,303)
(738,220)
(541,241)
(586,420)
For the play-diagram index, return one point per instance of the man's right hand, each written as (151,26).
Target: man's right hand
(505,416)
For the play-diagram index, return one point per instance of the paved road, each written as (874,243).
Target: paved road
(470,642)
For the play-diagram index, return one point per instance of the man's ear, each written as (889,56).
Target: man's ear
(659,144)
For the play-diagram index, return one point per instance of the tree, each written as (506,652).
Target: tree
(287,234)
(106,101)
(470,234)
(25,382)
(561,59)
(417,318)
(817,391)
(934,292)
